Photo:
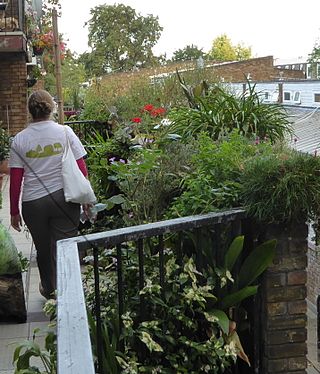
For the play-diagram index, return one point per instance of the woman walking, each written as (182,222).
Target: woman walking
(35,163)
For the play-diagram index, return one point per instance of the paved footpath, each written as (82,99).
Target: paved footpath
(11,333)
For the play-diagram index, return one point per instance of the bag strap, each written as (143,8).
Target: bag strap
(67,139)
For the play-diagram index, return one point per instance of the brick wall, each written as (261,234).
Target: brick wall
(284,307)
(260,69)
(13,91)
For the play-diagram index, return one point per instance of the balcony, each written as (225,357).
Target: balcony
(12,25)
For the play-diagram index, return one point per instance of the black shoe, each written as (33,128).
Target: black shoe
(45,294)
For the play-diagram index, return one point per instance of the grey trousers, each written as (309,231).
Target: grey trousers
(49,219)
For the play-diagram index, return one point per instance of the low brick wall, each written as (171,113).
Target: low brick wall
(284,306)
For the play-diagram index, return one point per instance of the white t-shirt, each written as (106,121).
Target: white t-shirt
(38,149)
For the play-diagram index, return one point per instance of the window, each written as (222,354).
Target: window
(318,71)
(309,71)
(317,97)
(287,96)
(297,97)
(275,96)
(267,96)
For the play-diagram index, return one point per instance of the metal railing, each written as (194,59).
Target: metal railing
(87,129)
(74,346)
(12,15)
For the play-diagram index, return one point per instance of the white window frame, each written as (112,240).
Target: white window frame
(309,71)
(297,97)
(314,96)
(318,70)
(284,96)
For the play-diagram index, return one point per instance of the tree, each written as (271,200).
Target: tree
(242,52)
(223,50)
(73,75)
(190,52)
(121,39)
(314,59)
(314,56)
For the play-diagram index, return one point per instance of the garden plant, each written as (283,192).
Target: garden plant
(165,157)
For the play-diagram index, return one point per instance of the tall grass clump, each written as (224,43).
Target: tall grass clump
(216,111)
(282,187)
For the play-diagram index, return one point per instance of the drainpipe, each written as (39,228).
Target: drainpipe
(280,98)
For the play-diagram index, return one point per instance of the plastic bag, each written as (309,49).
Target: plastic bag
(9,258)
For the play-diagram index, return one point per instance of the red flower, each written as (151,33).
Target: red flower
(157,112)
(148,107)
(136,120)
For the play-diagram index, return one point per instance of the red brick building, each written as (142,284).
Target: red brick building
(13,68)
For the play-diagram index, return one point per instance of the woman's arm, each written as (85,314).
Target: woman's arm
(16,176)
(82,166)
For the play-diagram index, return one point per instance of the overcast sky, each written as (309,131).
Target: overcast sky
(282,28)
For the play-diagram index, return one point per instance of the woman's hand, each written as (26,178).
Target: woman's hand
(86,208)
(16,222)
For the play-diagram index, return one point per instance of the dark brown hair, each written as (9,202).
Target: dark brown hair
(40,104)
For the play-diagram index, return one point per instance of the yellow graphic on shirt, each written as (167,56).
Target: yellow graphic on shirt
(47,151)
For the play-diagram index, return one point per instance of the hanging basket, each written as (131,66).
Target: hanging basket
(37,51)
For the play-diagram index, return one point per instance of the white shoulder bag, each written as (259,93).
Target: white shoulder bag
(76,187)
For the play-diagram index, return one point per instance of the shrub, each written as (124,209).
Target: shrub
(215,179)
(149,181)
(283,186)
(130,91)
(218,113)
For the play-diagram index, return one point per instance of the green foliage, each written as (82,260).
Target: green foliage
(24,262)
(129,93)
(223,50)
(150,180)
(28,349)
(282,187)
(218,112)
(183,327)
(121,38)
(131,104)
(179,335)
(4,144)
(251,268)
(73,75)
(95,106)
(9,258)
(256,263)
(214,180)
(314,56)
(190,52)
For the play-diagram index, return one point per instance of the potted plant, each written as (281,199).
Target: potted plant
(38,45)
(4,151)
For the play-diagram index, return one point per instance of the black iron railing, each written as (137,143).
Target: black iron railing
(87,130)
(74,346)
(12,15)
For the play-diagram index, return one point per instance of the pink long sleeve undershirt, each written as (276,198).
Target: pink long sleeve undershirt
(16,176)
